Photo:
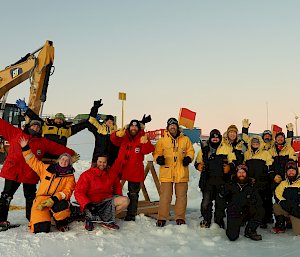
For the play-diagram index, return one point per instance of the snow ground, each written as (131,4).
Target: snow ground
(140,238)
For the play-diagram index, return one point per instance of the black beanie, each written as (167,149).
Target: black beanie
(109,117)
(172,121)
(134,123)
(215,133)
(280,133)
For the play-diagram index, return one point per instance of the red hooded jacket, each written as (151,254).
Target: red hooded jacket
(15,168)
(95,185)
(131,155)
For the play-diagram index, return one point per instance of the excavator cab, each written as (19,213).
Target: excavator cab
(12,114)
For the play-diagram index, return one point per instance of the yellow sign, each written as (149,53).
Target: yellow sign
(122,96)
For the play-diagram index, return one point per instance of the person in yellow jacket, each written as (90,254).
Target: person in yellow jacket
(266,136)
(288,206)
(231,138)
(173,152)
(281,152)
(259,162)
(57,183)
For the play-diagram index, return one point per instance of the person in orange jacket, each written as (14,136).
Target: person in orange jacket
(15,170)
(57,183)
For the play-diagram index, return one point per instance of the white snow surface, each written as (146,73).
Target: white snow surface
(142,237)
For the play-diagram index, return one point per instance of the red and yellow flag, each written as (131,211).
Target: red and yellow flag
(187,118)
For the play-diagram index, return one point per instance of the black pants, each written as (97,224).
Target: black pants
(266,196)
(10,188)
(236,217)
(210,194)
(133,194)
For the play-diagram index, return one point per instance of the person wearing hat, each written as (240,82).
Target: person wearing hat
(287,193)
(15,170)
(281,153)
(134,145)
(215,161)
(267,135)
(231,138)
(56,128)
(173,152)
(57,183)
(259,162)
(244,205)
(101,132)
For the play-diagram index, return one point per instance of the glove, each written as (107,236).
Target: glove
(144,139)
(246,123)
(146,119)
(160,160)
(88,211)
(120,133)
(186,161)
(98,103)
(200,166)
(226,168)
(75,157)
(22,105)
(277,179)
(290,127)
(47,203)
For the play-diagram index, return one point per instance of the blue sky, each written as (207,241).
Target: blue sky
(222,59)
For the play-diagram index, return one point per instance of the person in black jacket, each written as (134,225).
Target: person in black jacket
(101,132)
(243,205)
(215,161)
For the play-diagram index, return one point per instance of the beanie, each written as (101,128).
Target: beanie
(215,133)
(172,121)
(135,123)
(232,128)
(280,133)
(35,122)
(60,116)
(242,167)
(255,140)
(291,165)
(267,132)
(109,117)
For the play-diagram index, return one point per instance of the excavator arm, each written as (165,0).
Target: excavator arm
(38,69)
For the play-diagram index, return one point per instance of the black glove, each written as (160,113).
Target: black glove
(98,103)
(88,211)
(160,160)
(186,161)
(146,119)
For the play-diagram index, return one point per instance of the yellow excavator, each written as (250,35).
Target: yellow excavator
(37,69)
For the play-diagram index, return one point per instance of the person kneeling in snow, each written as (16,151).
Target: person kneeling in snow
(57,183)
(244,205)
(99,194)
(288,192)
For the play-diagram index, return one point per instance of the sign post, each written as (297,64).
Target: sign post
(122,97)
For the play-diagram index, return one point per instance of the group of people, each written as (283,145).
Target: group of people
(241,176)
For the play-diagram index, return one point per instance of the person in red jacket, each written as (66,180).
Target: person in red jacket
(16,171)
(134,144)
(99,194)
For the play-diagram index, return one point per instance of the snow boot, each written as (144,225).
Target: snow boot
(89,226)
(110,226)
(132,207)
(180,222)
(204,224)
(4,224)
(62,225)
(279,224)
(160,223)
(250,231)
